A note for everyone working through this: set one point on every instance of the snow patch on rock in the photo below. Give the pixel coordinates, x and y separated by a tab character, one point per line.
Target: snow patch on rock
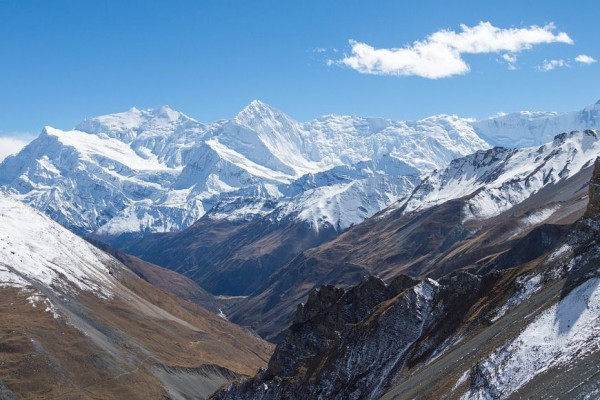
495	180
528	285
566	331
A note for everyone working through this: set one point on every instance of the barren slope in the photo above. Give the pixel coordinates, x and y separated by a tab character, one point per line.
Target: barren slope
77	323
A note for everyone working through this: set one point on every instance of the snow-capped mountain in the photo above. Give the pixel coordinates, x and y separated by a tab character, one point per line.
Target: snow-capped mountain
339	197
495	180
145	171
527	128
479	205
160	170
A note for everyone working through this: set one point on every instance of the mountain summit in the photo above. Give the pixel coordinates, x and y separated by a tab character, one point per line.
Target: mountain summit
144	171
127	126
257	111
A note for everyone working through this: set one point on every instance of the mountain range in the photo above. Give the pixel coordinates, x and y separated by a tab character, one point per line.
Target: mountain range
386	259
534	128
146	171
528	329
159	170
124	176
438	230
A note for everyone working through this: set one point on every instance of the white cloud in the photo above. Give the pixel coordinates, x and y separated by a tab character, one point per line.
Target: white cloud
549	65
440	54
585	59
12	145
511	60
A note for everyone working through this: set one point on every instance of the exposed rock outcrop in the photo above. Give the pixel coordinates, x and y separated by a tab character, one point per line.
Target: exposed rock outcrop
593	208
350	344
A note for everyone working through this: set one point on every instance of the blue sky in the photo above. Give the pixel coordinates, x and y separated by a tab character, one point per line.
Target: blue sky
62	61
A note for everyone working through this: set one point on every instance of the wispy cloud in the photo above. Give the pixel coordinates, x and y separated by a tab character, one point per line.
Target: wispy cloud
549	65
511	61
13	144
585	59
440	54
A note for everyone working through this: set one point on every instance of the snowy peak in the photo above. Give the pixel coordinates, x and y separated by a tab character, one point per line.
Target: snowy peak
267	121
257	111
159	170
533	128
166	112
127	126
495	180
256	107
272	132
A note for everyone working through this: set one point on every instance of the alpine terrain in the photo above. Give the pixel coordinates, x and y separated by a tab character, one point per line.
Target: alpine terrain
256	190
77	323
381	230
468	214
519	319
386	259
159	170
260	187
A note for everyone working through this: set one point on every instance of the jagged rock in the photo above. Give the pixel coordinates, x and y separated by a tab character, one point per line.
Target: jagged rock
353	344
367	350
465	283
318	324
318	300
593	208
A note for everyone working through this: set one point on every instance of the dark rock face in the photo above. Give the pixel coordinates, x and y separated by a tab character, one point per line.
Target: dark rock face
318	324
537	242
350	344
341	346
593	209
